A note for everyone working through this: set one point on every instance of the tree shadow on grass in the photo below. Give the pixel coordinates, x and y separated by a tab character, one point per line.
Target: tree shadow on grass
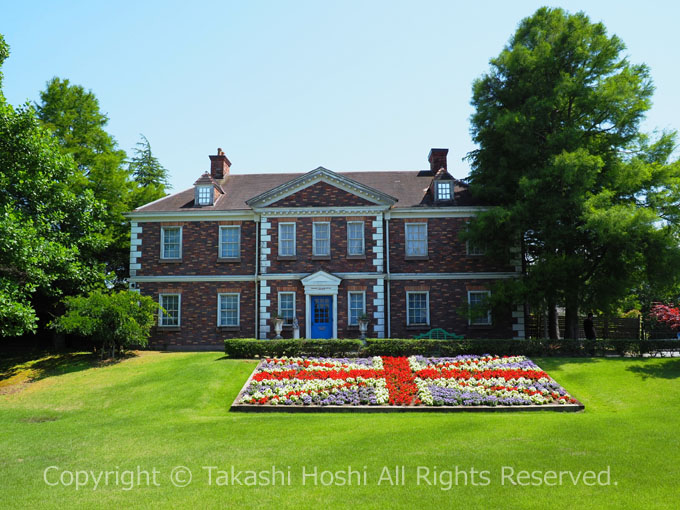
31	367
668	369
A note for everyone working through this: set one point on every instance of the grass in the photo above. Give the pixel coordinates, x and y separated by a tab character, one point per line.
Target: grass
160	410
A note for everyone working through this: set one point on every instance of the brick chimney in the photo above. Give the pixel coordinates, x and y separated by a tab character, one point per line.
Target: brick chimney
437	159
219	165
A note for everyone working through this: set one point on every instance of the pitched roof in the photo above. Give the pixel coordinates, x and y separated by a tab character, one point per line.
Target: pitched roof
408	187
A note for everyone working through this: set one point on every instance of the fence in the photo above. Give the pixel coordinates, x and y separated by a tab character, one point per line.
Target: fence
609	328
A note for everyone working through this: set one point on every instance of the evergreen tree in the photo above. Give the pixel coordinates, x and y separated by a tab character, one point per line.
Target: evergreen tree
592	202
150	177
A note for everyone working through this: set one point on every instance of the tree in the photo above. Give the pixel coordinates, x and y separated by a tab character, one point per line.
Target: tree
591	202
74	116
150	177
47	232
113	321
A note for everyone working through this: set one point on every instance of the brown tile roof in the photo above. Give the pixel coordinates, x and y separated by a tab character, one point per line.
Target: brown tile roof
409	188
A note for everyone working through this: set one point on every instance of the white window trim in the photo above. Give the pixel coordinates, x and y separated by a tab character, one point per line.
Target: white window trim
179	309
294	239
470	322
278	307
314	224
238	309
211	194
427	307
349	303
437	193
163	243
427	244
219	244
363	239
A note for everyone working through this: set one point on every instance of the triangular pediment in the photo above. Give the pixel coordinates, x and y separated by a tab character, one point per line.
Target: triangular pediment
321	278
321	188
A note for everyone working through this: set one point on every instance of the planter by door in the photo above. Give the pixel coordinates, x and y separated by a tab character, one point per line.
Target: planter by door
322	316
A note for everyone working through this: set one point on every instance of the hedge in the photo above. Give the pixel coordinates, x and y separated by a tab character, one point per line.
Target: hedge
251	348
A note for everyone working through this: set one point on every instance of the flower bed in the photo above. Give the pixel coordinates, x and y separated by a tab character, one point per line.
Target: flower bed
416	382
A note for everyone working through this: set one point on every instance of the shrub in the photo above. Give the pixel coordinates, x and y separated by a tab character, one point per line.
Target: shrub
114	321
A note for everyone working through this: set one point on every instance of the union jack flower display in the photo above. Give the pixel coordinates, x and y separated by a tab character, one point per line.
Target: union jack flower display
417	381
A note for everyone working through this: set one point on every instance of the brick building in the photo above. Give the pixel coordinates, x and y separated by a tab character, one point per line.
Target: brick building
325	248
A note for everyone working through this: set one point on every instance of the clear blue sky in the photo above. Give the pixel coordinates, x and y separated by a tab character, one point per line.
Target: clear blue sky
286	86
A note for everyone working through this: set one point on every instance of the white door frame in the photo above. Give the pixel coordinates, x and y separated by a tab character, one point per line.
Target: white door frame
320	283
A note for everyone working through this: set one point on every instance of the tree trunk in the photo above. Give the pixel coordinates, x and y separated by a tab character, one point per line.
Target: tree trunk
553	322
571	329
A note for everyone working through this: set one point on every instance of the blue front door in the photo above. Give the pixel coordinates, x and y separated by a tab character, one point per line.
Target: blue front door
322	317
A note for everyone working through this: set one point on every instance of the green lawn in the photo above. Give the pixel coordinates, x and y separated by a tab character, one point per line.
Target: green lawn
161	410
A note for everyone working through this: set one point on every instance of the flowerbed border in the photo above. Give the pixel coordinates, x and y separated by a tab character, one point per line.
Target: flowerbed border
258	408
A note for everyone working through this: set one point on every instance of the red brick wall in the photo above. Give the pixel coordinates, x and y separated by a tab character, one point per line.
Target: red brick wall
447	301
200	241
199	313
446	251
339	260
321	194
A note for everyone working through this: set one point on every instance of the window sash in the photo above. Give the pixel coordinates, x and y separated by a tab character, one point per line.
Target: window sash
444	190
287	239
171	303
287	306
171	242
204	195
229	309
321	239
475	298
356	302
473	249
230	242
417	308
355	237
416	239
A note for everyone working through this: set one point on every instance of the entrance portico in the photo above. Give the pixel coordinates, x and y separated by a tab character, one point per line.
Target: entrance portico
321	313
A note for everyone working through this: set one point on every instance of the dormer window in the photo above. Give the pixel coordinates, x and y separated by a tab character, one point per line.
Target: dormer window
205	195
444	190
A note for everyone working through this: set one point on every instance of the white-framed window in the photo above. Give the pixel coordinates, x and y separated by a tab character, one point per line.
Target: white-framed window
171	305
444	190
228	309
287	239
355	238
416	239
287	306
230	242
473	249
205	195
171	242
321	239
356	302
477	299
417	308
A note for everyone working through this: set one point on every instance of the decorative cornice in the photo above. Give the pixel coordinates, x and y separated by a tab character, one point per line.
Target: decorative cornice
321	211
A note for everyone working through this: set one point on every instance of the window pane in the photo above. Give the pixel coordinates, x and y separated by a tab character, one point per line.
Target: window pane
171	242
476	300
287	306
417	308
355	238
230	246
444	190
322	242
416	239
287	239
204	195
356	307
229	309
170	314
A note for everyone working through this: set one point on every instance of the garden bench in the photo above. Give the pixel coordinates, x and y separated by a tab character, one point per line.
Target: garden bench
438	334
